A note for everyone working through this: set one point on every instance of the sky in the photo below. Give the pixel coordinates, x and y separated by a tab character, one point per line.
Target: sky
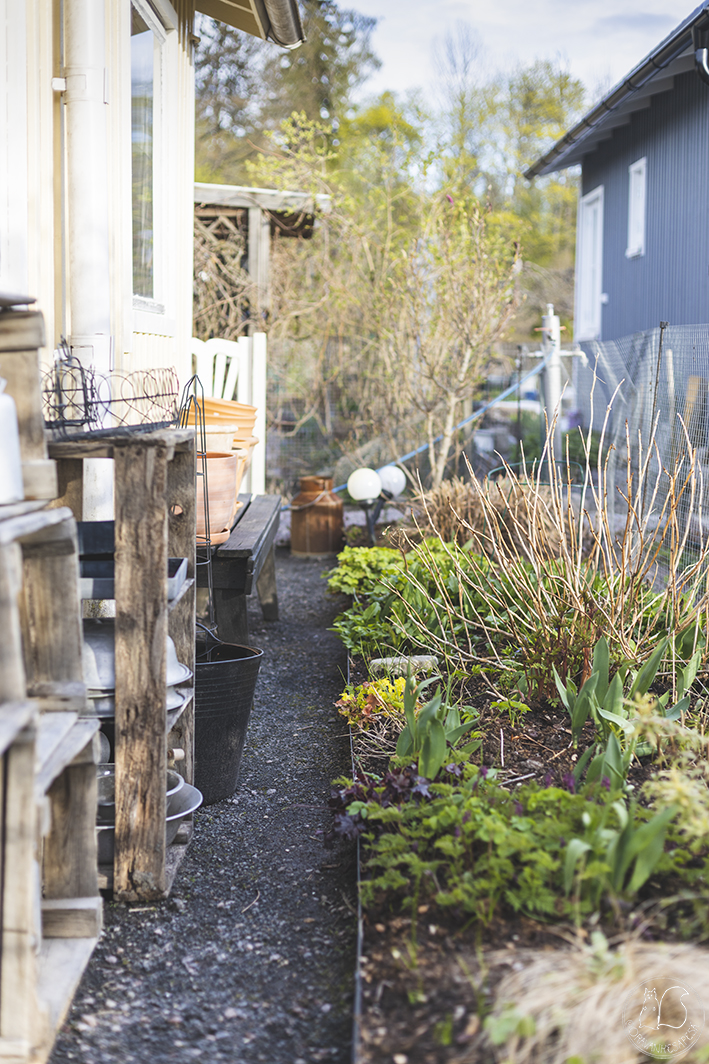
601	40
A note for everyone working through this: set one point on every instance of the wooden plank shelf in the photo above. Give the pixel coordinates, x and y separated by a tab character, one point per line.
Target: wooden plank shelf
53	727
49	923
47	782
14	718
68	751
154	519
95	446
61	965
19	509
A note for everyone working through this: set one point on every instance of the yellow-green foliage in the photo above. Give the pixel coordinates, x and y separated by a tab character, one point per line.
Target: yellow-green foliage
358	705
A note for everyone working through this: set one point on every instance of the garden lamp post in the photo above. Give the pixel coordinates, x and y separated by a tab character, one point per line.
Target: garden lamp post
365	486
373	489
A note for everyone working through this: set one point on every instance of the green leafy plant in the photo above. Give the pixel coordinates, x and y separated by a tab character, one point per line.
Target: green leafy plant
622	857
606	701
360	570
464	843
360	704
514	709
430	730
608	762
405	609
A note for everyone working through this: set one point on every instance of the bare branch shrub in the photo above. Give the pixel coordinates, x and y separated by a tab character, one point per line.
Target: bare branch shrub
555	573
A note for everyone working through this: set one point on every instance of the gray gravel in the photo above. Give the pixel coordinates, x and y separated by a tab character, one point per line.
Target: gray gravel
252	957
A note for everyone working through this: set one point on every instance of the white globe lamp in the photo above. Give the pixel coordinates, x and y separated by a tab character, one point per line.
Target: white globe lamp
393	480
364	485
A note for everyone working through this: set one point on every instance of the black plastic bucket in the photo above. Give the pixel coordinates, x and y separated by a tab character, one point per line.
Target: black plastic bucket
225	681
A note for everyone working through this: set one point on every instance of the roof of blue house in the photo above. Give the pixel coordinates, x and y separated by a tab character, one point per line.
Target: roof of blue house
679	52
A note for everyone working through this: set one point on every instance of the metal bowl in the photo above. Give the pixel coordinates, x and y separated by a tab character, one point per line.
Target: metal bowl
102	704
184	802
99	657
106	785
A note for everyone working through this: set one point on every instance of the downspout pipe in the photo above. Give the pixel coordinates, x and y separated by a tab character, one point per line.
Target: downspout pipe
87	184
700	40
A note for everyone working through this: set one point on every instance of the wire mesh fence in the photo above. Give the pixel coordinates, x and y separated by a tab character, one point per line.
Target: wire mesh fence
647	397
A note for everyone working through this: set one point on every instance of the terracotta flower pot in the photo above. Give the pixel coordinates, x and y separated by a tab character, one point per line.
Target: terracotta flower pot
221	490
220	438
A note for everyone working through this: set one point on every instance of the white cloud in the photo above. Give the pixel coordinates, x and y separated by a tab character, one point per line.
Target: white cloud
601	39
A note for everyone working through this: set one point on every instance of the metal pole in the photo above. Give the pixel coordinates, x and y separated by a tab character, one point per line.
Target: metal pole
551	344
519	402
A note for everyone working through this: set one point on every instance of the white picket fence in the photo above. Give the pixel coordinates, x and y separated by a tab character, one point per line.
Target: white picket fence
236	369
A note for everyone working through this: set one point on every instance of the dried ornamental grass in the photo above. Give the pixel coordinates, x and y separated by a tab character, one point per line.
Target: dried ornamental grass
461	510
559	565
572	1005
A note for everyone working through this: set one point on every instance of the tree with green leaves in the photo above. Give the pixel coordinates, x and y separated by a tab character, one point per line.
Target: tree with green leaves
415	276
246	87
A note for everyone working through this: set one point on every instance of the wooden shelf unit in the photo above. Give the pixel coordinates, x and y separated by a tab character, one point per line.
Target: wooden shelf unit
50	906
155	518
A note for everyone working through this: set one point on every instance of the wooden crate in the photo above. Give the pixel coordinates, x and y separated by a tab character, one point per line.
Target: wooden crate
21	336
154	500
50	905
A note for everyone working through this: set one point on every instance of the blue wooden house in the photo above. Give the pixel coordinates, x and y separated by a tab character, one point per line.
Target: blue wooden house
643	220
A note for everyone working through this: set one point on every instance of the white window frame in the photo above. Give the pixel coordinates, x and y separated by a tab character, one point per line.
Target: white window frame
157	315
637	208
589	266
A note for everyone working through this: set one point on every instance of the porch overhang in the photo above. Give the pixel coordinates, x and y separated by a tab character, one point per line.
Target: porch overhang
274	20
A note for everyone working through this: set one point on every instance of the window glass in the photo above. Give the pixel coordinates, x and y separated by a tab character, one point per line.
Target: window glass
142	114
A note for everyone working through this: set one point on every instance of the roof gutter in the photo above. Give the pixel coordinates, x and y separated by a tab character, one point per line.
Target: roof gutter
286	27
636	79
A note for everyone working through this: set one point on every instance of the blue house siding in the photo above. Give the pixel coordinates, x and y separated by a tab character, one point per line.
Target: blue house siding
670	281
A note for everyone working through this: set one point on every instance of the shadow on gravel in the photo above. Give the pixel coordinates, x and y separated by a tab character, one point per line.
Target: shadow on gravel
252	958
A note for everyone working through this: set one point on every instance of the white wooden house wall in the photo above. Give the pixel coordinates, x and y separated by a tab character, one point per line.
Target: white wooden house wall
33	211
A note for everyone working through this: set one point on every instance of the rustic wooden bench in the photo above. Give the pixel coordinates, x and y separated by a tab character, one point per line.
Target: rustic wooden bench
245	559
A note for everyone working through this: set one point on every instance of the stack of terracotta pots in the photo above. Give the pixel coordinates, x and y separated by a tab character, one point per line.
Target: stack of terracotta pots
230	441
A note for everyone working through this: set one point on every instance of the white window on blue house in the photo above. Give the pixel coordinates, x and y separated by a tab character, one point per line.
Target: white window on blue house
637	175
589	267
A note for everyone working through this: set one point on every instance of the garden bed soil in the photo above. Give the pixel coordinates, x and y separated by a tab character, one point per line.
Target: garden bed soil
538	748
423	992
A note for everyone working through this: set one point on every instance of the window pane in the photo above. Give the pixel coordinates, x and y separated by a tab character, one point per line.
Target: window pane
142	93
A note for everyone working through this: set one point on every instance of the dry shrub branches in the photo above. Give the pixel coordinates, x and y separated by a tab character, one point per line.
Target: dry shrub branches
551	566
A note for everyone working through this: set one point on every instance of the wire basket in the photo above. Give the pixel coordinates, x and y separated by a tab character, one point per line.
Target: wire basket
78	400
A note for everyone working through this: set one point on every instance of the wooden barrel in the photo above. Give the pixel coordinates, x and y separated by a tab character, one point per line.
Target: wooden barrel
317	522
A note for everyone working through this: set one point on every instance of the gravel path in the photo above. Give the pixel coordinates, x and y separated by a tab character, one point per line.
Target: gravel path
252	957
